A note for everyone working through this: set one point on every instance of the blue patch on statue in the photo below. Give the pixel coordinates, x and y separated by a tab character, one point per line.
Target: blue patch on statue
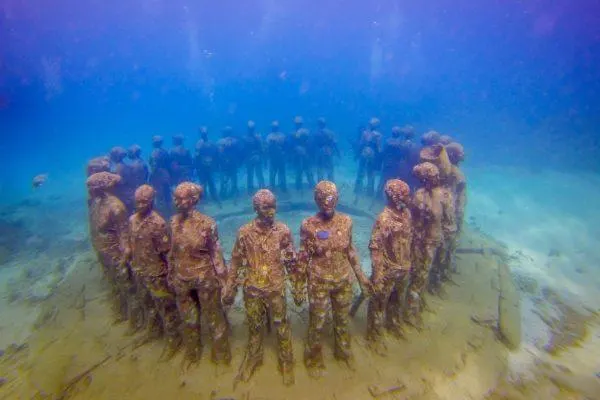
323	235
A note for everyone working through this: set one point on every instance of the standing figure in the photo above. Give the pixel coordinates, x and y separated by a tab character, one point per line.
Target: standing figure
125	189
97	164
369	150
300	143
181	162
329	259
148	245
411	149
253	152
262	255
138	169
108	232
326	148
197	275
427	216
276	146
205	162
391	262
430	138
229	159
457	185
392	158
160	178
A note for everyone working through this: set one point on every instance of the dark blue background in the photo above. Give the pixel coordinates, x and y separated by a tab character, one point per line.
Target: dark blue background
517	81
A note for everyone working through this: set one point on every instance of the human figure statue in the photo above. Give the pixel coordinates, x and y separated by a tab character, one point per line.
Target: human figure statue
229	160
300	144
253	152
411	149
124	190
276	147
392	158
430	138
330	261
108	233
369	150
457	185
326	148
391	262
160	177
148	245
197	275
262	256
97	164
138	169
181	161
427	213
205	162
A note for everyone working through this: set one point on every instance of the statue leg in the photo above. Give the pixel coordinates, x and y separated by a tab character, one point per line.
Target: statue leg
210	304
255	317
318	297
341	301
277	305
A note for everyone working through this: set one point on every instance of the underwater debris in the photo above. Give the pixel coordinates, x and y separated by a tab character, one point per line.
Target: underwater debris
569	329
509	309
376	391
39	180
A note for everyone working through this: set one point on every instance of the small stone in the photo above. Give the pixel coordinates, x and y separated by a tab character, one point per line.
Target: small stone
3	381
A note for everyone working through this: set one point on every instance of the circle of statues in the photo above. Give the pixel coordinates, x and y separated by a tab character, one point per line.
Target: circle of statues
169	276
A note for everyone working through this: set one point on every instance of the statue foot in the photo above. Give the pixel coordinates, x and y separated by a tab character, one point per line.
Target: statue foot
316	372
288	376
170	349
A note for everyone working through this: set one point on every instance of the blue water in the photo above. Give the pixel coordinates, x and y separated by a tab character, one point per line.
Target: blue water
517	82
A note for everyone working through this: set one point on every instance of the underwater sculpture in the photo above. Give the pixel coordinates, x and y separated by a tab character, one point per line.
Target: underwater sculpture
329	260
198	270
393	156
430	138
253	153
368	154
276	146
391	262
137	167
229	160
205	163
455	183
124	190
300	145
427	213
262	256
181	161
147	247
108	232
160	177
326	148
97	164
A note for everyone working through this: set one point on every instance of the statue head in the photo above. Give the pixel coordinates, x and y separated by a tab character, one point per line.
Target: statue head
186	196
397	193
265	205
326	198
144	199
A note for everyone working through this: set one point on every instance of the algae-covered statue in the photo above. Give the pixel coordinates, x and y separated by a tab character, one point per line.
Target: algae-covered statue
457	182
148	245
97	164
329	259
326	148
160	177
276	146
181	161
428	209
253	152
197	274
391	262
124	190
138	169
368	154
300	146
262	256
108	232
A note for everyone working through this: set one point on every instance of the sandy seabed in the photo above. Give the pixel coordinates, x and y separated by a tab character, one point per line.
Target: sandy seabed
65	344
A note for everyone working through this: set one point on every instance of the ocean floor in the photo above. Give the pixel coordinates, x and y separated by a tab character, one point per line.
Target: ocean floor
55	322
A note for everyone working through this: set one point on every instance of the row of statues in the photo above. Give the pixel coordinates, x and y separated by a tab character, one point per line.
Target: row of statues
308	153
172	275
